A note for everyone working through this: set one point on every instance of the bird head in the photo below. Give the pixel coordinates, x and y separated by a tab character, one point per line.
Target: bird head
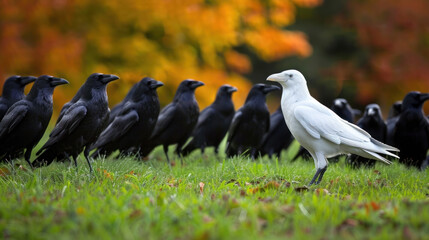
287	78
47	81
99	80
228	89
373	111
17	83
395	110
260	89
189	85
414	99
145	86
340	103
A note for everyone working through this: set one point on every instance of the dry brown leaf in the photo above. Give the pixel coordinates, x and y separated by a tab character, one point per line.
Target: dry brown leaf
136	213
322	191
201	184
4	171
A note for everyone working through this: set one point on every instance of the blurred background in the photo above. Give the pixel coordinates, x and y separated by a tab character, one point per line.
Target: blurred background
363	50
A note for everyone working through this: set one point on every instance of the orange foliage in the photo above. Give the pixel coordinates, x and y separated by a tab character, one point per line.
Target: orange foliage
394	37
169	40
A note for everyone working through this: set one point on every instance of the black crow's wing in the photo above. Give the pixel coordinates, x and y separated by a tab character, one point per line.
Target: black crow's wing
13	117
116	129
63	111
164	120
236	121
70	121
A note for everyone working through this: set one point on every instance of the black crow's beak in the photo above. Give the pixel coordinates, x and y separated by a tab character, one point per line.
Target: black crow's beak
156	84
27	80
58	81
270	88
109	77
196	84
232	89
424	97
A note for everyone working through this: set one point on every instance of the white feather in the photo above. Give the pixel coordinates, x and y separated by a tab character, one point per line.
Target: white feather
318	129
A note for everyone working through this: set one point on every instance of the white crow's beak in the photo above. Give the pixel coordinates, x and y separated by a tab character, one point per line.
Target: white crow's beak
276	77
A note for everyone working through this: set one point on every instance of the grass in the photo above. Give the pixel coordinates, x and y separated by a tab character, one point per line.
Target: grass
212	198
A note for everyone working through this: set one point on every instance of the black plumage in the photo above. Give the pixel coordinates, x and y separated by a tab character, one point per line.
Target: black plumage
25	122
13	91
134	123
176	121
411	131
278	136
250	123
372	122
213	122
117	108
392	118
342	108
81	124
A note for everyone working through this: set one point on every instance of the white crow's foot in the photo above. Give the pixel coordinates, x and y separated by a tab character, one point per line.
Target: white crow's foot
318	176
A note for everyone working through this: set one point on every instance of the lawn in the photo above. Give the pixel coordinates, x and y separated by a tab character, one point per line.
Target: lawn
212	198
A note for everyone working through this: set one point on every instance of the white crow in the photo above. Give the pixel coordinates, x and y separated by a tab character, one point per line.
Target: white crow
319	130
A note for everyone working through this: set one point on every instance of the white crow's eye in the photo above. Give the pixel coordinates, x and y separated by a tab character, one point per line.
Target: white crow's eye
290	75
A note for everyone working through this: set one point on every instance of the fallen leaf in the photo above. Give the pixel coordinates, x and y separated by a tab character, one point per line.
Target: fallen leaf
136	213
4	171
207	218
322	191
243	193
377	172
287	208
201	184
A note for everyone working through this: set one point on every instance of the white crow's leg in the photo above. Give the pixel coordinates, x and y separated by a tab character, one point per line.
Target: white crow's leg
321	165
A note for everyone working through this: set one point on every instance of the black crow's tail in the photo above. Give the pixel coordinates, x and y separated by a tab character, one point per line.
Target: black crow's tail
44	159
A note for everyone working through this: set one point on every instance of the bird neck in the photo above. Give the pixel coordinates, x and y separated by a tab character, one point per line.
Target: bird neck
295	93
41	96
13	94
185	96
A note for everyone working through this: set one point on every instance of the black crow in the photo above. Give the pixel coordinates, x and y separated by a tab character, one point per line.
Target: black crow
278	136
134	124
81	124
176	121
13	91
25	122
342	108
393	117
213	122
372	122
250	123
411	131
117	108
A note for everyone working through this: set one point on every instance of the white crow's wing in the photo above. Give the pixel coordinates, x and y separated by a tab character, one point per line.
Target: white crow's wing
320	122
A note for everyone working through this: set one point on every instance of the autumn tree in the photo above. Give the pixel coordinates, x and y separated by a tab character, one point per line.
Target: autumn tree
393	37
169	40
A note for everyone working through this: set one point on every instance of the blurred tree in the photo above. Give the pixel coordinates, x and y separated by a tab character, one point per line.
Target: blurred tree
169	40
393	37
